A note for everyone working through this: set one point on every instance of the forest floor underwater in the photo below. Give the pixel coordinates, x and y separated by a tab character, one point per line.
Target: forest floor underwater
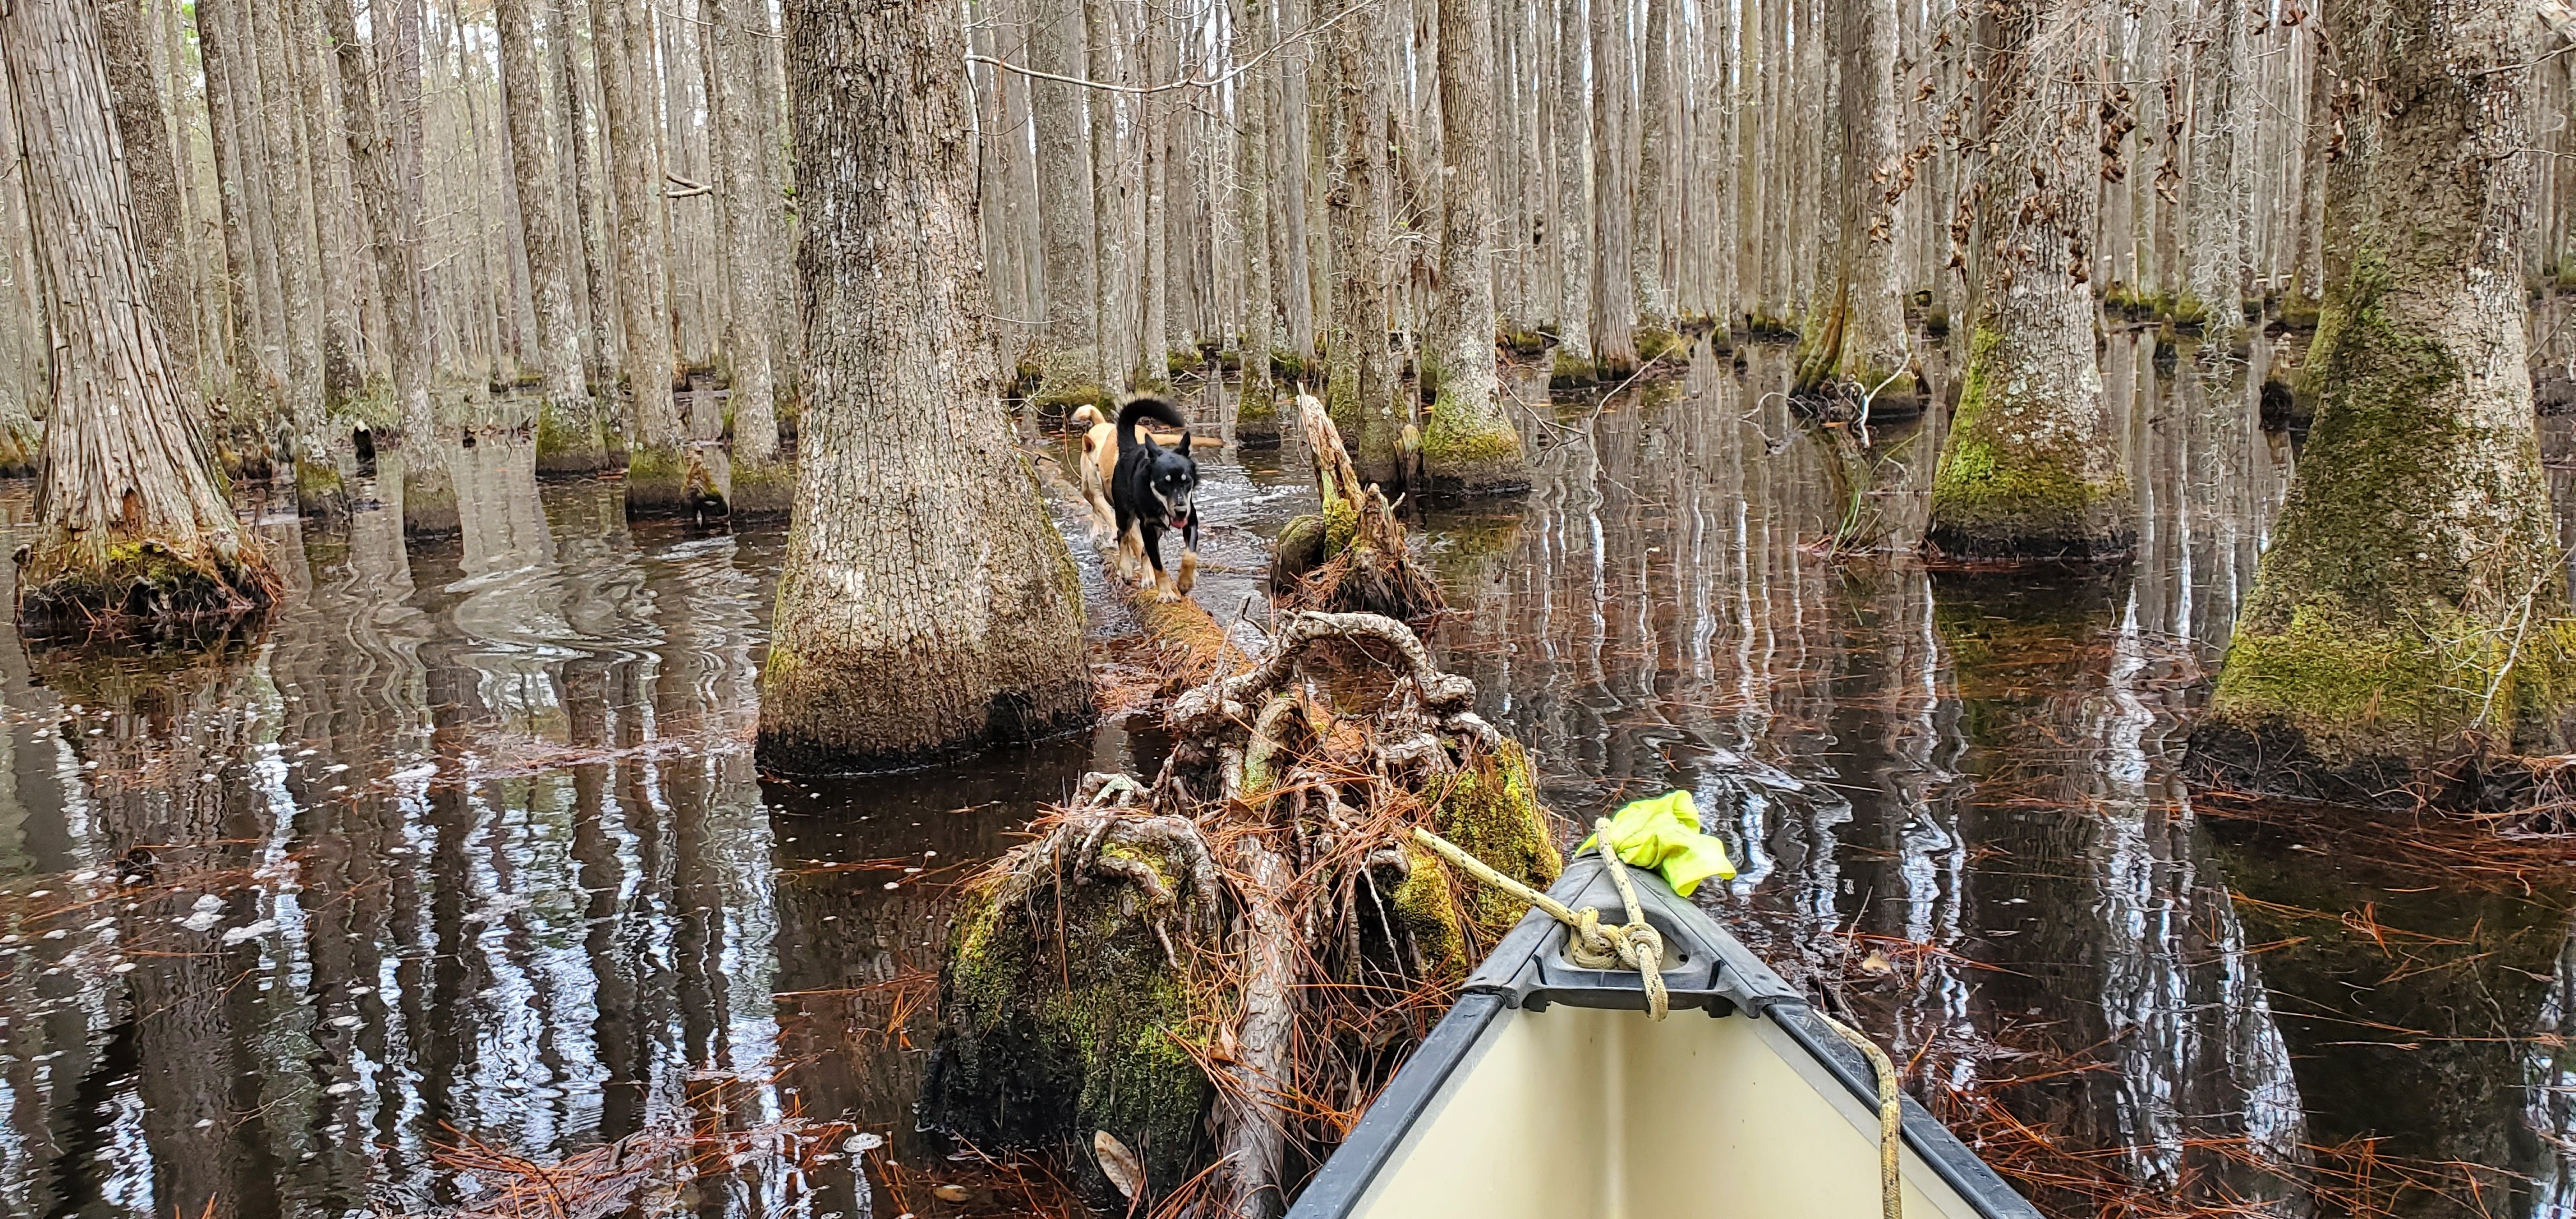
454	889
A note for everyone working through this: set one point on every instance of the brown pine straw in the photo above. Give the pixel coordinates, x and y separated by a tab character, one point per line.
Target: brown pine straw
608	1180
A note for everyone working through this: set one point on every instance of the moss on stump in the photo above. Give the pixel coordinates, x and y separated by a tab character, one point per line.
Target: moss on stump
1256	421
86	583
1065	1019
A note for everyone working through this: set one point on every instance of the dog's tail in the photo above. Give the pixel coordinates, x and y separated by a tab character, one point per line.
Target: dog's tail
1138	410
1086	415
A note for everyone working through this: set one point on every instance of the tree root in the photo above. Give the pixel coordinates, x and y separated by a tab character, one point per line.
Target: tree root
1266	876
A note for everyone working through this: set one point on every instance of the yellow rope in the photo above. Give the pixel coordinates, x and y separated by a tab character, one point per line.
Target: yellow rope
1594	946
1891	1199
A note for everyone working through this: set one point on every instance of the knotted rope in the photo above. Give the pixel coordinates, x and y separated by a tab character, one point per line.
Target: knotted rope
1639	946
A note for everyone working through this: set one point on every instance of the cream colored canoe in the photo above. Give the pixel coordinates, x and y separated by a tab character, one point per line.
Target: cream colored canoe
1547	1091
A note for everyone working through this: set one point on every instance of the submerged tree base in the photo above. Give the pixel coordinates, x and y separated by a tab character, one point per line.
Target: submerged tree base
81	583
570	441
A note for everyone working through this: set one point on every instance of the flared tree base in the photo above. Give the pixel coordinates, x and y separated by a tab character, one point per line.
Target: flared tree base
81	583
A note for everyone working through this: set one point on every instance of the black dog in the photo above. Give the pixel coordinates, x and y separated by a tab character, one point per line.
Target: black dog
1154	490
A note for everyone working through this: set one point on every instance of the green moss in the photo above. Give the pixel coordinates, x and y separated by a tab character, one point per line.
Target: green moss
1566	371
657	480
2007	488
83	582
568	442
2412	592
1472	449
1657	343
1063	1017
1341	524
1492	811
763	488
1523	342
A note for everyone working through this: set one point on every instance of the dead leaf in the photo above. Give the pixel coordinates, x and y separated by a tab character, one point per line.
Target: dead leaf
1118	1164
948	1193
1876	963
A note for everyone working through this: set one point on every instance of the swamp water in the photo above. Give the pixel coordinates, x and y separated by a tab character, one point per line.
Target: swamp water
462	862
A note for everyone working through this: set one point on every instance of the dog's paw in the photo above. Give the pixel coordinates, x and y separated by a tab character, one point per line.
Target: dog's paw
1189	572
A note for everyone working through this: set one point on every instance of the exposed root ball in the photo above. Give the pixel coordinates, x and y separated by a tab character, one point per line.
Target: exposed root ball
1212	966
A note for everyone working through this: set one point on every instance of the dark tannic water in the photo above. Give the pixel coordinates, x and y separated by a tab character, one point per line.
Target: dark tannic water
464	857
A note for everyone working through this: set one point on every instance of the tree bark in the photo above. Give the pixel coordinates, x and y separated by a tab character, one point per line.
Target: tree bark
394	221
749	214
601	343
2221	175
568	435
1361	390
1109	250
2412	608
926	602
317	481
142	125
1292	279
132	520
1573	170
1056	37
1469	445
1856	331
1646	229
240	265
1614	291
657	466
1256	416
2028	469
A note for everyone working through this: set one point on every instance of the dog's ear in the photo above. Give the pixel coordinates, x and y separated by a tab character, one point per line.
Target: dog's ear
1185	442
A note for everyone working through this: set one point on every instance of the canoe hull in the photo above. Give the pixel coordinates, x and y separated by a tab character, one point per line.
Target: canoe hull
1537	1097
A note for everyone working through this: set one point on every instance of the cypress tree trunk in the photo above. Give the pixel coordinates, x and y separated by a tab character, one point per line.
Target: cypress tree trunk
131	520
926	602
1108	303
1256	416
393	219
2412	608
1573	169
600	342
2028	470
749	216
2221	178
656	465
1646	229
1361	389
428	487
318	492
1858	332
240	265
140	123
568	435
1469	445
1056	38
1292	278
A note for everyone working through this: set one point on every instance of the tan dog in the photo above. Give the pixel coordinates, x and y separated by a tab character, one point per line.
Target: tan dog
1100	464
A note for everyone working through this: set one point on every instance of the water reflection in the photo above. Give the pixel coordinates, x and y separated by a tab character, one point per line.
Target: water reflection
466	850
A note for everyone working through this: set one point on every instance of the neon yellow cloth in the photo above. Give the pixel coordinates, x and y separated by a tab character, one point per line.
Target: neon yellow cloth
1663	834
